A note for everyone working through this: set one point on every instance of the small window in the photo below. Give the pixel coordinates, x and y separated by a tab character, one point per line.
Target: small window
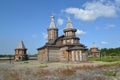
68	41
64	42
72	41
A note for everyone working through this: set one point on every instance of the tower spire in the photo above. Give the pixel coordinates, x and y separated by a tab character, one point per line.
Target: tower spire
21	45
69	24
52	30
20	52
52	23
94	45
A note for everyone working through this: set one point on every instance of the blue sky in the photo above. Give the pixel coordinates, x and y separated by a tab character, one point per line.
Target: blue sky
95	20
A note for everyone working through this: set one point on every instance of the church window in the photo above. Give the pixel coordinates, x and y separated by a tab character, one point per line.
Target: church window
69	34
64	42
68	41
72	41
66	33
20	52
73	34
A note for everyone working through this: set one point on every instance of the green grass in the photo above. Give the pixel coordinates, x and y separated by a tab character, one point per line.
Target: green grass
25	62
110	73
43	66
105	59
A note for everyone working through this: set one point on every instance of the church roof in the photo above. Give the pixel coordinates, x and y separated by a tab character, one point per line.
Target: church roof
52	23
69	24
77	48
21	45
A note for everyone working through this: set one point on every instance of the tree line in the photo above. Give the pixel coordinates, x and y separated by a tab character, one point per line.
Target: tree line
8	55
110	51
5	55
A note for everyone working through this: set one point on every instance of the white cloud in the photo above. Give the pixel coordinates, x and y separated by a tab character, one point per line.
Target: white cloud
60	21
45	36
110	26
117	2
97	28
93	10
34	35
104	42
80	32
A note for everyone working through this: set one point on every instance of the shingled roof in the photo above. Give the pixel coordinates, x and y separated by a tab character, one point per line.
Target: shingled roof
77	48
52	23
21	45
69	24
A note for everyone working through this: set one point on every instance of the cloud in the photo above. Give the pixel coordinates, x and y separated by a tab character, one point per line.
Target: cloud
45	36
60	21
104	42
93	10
34	35
117	2
97	28
110	26
107	27
80	32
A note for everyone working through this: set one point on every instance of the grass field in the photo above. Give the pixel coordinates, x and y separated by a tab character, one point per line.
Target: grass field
35	70
109	59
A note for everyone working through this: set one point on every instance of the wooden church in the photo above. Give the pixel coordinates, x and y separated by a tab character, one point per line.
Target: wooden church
66	48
